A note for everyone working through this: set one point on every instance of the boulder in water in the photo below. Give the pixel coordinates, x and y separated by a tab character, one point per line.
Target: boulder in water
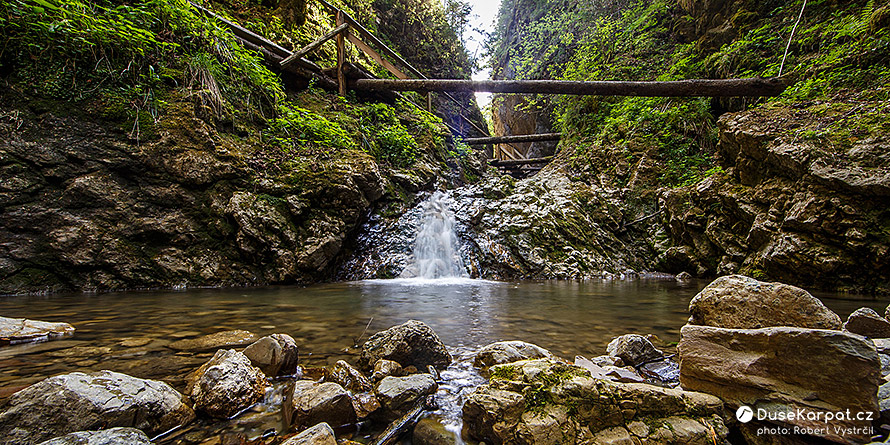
275	355
226	384
633	349
385	368
739	302
210	342
546	401
429	431
348	377
320	434
865	321
398	395
80	402
111	436
21	330
321	402
785	369
508	352
412	343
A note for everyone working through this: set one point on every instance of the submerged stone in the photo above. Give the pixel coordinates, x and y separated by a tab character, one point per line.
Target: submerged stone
224	339
22	330
111	436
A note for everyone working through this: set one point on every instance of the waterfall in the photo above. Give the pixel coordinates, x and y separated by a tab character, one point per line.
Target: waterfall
436	253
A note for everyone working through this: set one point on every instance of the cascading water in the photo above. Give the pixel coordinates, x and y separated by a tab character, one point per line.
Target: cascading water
436	251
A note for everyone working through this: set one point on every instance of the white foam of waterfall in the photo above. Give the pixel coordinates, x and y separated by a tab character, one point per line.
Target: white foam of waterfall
436	250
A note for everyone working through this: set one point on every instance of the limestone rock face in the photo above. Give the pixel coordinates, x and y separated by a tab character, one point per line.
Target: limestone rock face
784	369
784	207
397	395
321	434
218	340
226	384
867	322
633	349
412	343
20	330
186	204
548	402
508	352
739	302
275	355
80	402
321	402
111	436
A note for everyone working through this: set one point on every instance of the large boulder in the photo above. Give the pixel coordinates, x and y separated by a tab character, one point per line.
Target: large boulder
785	369
81	402
508	352
865	321
633	350
320	434
276	354
398	395
739	302
321	402
21	330
224	339
549	402
111	436
412	343
226	384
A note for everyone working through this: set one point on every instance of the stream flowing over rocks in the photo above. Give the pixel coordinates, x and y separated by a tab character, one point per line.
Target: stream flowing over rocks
769	346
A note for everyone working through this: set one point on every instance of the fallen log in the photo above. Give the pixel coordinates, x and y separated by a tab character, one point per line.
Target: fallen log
520	162
404	424
681	88
518	138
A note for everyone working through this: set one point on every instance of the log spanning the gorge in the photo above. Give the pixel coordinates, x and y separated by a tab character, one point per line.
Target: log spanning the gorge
680	88
514	139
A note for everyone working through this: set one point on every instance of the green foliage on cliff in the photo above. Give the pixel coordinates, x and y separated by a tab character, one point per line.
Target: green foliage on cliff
835	47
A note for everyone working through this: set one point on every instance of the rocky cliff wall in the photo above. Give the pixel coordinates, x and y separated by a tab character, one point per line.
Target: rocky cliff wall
84	206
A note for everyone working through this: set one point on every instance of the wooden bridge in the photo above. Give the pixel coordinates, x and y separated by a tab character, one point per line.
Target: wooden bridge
346	76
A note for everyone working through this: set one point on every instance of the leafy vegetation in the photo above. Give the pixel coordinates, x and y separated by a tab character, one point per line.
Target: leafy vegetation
835	47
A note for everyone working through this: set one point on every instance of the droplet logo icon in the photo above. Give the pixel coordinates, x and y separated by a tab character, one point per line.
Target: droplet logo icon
744	414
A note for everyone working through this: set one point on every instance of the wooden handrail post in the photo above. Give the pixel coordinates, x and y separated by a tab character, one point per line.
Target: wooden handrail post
341	56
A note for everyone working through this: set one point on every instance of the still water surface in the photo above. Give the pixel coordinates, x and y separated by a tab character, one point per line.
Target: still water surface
567	317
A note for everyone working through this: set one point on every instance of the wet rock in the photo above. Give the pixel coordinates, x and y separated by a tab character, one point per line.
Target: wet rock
683	277
429	431
665	370
348	377
411	343
884	401
865	321
321	402
227	384
609	372
397	395
80	402
529	402
210	342
320	434
111	436
385	368
508	352
784	368
365	404
21	330
739	302
275	355
633	349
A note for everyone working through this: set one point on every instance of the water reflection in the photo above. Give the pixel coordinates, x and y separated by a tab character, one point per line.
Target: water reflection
128	332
